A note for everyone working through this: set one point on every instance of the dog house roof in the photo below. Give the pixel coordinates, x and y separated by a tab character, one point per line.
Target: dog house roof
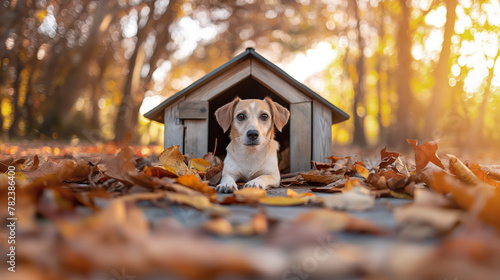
156	114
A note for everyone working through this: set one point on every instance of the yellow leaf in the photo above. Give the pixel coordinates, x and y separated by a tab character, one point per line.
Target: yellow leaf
250	193
282	201
40	15
199	164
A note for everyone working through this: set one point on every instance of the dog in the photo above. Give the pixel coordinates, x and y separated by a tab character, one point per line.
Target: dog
252	152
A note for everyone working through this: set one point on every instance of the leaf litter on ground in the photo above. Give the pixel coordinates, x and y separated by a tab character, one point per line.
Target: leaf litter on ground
96	204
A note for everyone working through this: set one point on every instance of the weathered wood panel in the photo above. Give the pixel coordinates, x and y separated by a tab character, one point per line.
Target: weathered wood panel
221	83
196	138
277	84
321	132
300	136
195	110
174	128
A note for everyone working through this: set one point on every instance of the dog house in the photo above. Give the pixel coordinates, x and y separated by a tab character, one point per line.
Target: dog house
190	122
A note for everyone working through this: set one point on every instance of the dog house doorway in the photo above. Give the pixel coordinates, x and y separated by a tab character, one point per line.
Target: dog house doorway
246	89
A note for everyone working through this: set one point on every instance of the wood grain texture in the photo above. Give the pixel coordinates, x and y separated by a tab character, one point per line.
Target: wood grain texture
277	84
174	128
221	83
194	110
196	138
321	132
300	136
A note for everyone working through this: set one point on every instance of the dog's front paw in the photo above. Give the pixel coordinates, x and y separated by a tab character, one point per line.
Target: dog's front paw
256	183
226	187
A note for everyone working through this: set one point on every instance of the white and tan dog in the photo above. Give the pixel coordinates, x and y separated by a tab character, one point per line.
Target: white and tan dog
252	152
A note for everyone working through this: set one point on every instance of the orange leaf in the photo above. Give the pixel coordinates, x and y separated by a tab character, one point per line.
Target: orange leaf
425	153
483	175
292	193
468	197
192	182
362	170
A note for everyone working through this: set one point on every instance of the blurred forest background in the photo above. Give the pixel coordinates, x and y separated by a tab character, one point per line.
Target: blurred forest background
84	69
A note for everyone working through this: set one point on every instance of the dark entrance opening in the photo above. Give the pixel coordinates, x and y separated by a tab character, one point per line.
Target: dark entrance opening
249	88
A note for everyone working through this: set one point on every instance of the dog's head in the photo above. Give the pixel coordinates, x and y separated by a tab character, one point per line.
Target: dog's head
252	120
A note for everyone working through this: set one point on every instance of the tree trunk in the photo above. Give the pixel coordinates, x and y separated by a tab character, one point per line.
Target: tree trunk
441	89
14	127
359	138
404	127
378	68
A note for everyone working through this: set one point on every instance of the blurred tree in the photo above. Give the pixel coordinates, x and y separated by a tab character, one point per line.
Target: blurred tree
441	89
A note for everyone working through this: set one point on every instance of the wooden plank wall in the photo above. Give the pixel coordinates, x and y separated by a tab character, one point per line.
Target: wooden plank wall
321	132
196	138
300	136
174	128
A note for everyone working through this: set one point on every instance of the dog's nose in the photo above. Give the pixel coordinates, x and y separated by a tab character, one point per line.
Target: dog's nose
252	134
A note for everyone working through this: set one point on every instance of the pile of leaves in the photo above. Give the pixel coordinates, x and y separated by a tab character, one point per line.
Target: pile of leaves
83	217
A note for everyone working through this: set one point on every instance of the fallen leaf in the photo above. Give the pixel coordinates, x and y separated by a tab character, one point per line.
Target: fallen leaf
322	179
173	161
483	175
362	170
416	215
219	226
358	199
350	184
332	220
401	195
199	202
199	164
250	194
387	158
292	193
193	182
486	202
158	172
425	153
282	201
465	174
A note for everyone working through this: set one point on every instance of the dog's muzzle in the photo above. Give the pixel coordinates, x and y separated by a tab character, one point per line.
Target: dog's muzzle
252	138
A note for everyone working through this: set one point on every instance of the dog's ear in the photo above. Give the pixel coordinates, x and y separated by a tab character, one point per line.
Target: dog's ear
280	114
224	114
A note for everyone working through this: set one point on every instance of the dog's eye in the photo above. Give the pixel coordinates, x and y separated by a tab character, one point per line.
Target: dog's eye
241	117
264	117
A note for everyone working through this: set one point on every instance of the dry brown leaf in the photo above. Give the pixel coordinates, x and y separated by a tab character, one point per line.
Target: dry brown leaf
322	179
425	153
483	175
173	161
465	174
